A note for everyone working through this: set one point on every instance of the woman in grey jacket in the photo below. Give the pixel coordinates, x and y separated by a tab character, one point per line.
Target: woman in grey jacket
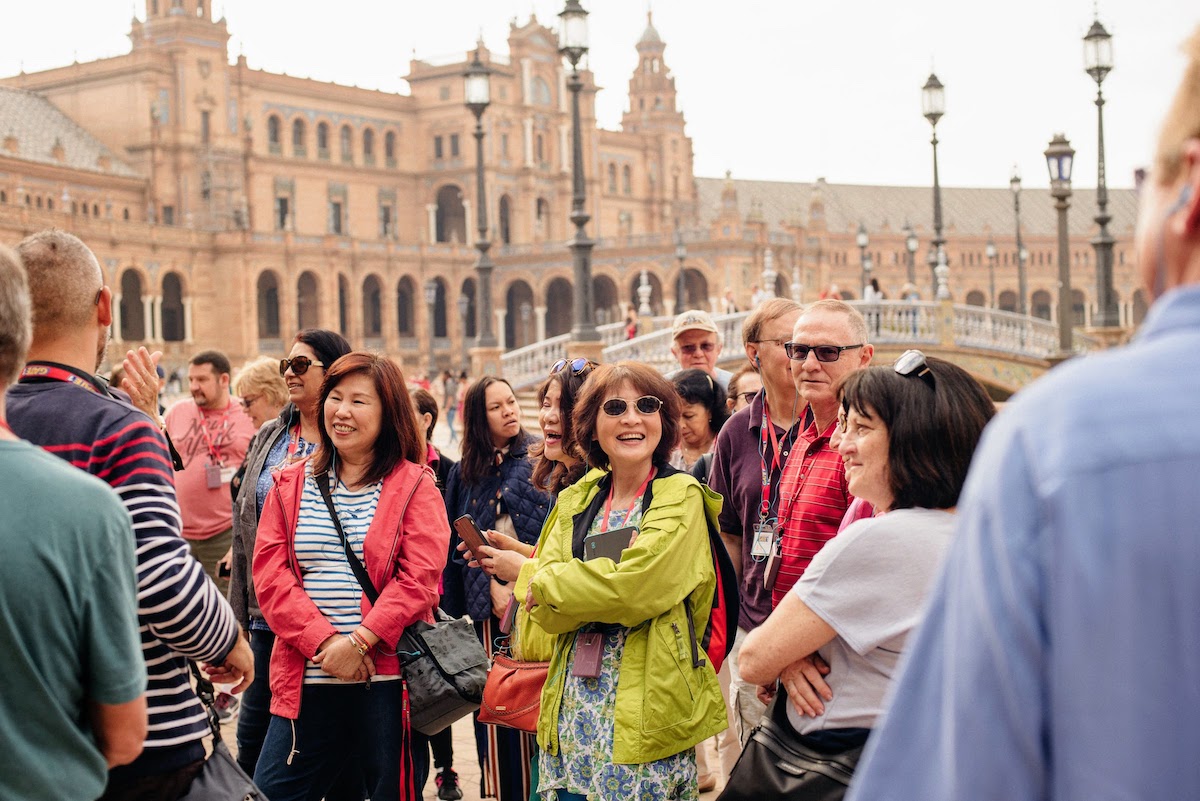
289	437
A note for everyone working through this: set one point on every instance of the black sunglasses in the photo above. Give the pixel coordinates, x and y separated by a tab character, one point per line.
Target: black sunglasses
912	363
580	366
824	353
299	365
647	404
747	397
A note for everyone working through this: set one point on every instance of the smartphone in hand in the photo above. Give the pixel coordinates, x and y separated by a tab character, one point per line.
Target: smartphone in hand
468	532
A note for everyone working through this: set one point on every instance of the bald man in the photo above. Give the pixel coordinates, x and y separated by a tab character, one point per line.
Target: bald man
60	404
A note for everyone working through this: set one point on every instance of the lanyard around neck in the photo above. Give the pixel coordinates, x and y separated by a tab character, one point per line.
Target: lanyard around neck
57	374
213	452
628	512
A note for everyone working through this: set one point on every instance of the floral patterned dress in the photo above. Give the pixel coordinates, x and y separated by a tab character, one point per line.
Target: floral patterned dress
584	763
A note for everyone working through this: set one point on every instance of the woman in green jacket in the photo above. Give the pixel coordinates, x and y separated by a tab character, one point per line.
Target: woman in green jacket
629	693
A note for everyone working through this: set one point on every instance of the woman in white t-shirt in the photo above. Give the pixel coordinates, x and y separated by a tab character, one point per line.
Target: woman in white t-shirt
907	436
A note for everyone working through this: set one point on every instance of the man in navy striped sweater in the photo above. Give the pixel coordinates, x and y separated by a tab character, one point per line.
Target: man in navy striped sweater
61	405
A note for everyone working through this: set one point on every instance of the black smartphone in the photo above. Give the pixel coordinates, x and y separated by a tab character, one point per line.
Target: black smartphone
224	570
468	532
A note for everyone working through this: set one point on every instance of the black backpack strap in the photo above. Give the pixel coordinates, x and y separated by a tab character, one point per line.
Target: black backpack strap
204	691
356	564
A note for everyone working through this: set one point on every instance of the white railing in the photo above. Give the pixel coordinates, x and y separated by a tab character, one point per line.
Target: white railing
889	322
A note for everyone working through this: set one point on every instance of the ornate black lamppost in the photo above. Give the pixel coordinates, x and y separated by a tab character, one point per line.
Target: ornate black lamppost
478	95
933	106
1014	183
573	43
1059	159
681	304
1098	61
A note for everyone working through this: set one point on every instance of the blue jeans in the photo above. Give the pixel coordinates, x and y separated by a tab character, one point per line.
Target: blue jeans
338	724
255	712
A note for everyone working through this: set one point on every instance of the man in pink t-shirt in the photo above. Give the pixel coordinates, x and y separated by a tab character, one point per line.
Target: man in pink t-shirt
211	433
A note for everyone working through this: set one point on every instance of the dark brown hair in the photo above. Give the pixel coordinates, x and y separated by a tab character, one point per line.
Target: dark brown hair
426	404
477	447
549	475
932	431
604	381
399	434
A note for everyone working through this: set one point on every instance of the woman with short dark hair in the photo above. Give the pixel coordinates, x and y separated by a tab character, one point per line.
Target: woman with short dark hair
907	437
703	411
336	683
629	694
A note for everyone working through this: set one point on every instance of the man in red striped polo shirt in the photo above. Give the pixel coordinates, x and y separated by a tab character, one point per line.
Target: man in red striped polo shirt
828	342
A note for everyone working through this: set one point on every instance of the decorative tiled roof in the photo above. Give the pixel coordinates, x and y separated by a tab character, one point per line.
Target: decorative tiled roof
46	135
966	211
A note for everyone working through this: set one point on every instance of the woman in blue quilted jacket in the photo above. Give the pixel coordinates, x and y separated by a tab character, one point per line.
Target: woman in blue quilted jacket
493	484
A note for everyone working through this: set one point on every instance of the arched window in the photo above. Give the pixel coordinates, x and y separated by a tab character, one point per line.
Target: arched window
343	306
298	132
323	140
268	305
172	324
505	220
369	146
405	291
541	92
371	307
539	149
451	216
612	178
976	298
1040	304
627	180
307	301
273	133
347	146
133	321
389	148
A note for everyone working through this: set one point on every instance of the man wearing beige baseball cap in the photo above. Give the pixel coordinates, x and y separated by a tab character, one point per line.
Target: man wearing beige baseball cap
696	342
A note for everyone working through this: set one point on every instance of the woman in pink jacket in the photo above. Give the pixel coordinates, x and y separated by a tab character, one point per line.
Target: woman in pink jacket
336	685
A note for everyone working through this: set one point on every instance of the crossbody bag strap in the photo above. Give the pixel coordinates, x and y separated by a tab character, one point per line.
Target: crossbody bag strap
356	564
204	691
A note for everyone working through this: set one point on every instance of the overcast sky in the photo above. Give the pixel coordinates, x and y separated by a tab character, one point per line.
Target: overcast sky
772	89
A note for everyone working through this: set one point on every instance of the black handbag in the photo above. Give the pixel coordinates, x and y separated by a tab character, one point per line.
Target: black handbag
776	763
221	778
444	663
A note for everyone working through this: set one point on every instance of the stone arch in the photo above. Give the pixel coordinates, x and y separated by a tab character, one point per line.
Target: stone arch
441	328
505	220
346	143
467	290
372	306
695	289
268	305
389	147
368	145
173	320
405	291
133	320
308	301
274	133
976	298
519	324
323	139
1008	301
560	307
343	305
605	299
1040	304
656	294
541	220
1078	307
451	217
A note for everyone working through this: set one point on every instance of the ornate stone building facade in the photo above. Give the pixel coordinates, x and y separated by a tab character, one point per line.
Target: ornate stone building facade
231	207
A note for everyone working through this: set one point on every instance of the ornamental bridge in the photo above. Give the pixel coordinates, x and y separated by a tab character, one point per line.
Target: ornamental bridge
1003	350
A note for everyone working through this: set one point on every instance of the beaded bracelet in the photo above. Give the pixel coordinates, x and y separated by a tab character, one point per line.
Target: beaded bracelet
359	646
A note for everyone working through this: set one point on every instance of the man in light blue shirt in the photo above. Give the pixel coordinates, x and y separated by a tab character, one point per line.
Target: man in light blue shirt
1060	656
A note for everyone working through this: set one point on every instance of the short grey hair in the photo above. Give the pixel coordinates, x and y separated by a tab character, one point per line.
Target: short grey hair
858	324
15	327
64	281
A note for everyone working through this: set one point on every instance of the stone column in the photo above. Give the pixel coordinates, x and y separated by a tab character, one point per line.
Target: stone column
431	212
469	216
528	141
187	320
526	82
501	331
148	319
539	313
116	317
157	307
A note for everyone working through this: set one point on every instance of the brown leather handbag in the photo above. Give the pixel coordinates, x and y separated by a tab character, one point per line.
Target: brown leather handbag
512	696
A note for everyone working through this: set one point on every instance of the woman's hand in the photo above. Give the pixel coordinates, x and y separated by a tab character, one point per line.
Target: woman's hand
507	543
804	681
504	565
501	594
338	657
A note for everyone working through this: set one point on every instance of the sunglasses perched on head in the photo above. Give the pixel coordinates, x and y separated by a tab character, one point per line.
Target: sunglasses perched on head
580	366
912	363
824	353
299	365
647	404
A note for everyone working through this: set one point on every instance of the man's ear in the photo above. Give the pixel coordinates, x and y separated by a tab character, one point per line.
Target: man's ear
1191	202
868	353
104	314
223	380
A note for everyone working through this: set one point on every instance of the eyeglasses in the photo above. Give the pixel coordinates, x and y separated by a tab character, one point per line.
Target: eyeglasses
249	400
824	353
746	397
912	363
647	404
580	366
707	347
299	365
776	340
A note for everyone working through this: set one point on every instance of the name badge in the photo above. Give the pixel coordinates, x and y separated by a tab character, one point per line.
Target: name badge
764	538
212	475
227	474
